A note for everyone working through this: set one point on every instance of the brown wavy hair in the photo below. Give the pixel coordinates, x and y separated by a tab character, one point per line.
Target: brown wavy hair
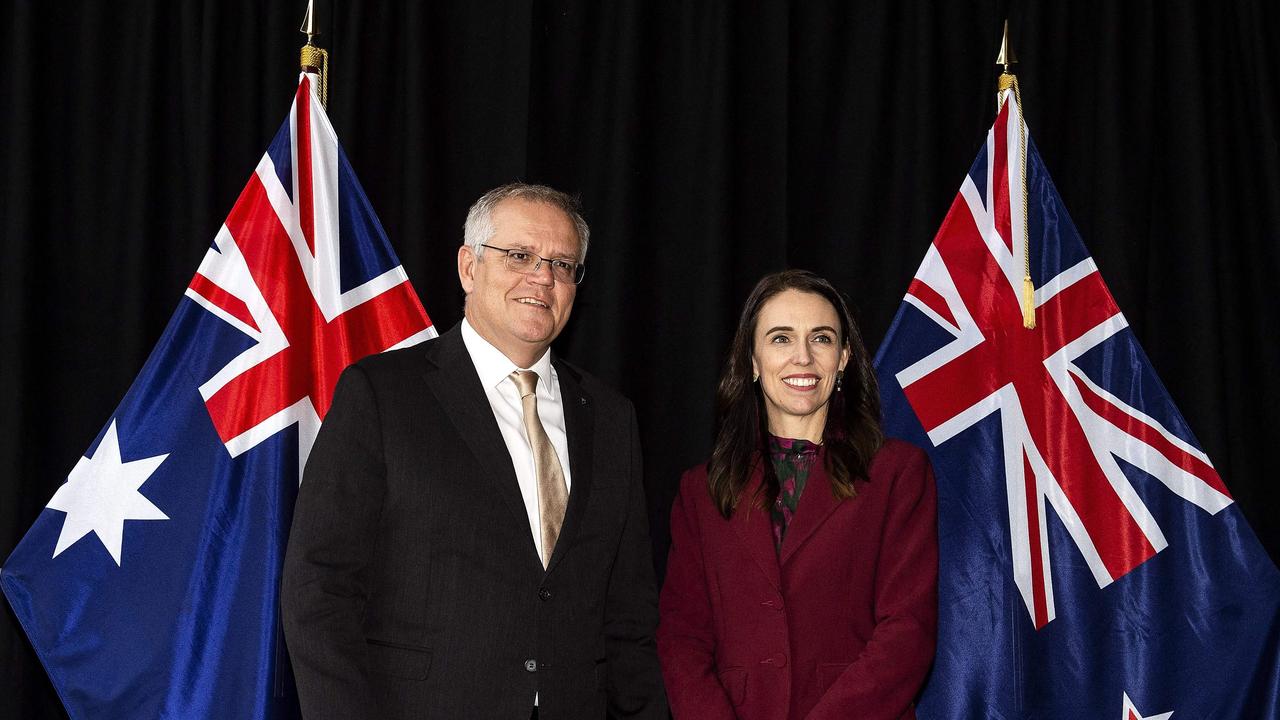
852	434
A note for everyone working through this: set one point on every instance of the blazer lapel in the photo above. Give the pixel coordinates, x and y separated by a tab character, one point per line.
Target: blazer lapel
451	376
755	528
579	425
816	505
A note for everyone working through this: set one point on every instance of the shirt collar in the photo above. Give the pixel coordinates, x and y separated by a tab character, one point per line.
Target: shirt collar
781	446
493	367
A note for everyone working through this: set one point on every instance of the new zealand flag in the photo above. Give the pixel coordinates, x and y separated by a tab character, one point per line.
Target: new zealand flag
149	585
1092	561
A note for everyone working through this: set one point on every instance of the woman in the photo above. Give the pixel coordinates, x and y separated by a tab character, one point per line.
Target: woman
802	580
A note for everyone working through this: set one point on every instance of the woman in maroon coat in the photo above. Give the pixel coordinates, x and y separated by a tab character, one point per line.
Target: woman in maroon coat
802	580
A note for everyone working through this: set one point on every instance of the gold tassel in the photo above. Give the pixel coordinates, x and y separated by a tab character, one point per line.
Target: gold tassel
1028	303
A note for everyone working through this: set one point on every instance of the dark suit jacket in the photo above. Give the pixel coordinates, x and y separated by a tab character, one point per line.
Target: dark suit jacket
841	625
412	586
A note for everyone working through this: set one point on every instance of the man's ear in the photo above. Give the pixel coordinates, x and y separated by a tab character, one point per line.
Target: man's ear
467	268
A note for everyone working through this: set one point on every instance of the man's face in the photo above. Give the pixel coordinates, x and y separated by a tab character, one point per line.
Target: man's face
520	314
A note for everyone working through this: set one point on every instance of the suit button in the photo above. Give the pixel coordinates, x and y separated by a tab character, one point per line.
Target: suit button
531	666
544	594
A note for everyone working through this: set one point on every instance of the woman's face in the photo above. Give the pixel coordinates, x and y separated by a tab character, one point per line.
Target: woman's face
797	351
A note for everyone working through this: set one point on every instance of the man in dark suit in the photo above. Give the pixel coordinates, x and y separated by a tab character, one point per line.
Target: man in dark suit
469	539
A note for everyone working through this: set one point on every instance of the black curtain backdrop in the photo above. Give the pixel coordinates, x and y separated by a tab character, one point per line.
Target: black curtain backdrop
711	142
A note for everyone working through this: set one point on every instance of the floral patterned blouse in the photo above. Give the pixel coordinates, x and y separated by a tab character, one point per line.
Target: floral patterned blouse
792	461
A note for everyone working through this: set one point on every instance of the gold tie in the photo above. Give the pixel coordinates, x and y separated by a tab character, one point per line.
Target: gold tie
553	496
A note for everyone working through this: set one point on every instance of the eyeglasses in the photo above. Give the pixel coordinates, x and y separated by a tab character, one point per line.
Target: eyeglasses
525	263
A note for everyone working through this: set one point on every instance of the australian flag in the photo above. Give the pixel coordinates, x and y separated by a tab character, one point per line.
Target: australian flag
1092	562
148	587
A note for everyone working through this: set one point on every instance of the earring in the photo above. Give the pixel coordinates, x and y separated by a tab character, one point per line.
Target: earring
755	377
839	380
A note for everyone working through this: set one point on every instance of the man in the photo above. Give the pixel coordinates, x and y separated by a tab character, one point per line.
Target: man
470	539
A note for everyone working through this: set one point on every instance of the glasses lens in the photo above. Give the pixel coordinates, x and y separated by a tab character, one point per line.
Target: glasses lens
520	261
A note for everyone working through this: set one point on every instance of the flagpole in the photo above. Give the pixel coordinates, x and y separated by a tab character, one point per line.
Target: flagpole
315	59
1007	83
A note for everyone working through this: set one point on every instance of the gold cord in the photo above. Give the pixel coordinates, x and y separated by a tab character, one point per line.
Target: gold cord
1007	82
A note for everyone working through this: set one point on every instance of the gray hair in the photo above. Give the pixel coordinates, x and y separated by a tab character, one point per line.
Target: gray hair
479	227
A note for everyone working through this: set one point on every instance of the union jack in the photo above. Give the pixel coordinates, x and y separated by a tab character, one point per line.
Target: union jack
276	274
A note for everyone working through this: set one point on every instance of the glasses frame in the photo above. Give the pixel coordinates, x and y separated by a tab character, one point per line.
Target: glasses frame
579	269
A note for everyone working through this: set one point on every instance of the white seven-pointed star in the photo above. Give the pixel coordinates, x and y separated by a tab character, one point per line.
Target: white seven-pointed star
101	493
1131	712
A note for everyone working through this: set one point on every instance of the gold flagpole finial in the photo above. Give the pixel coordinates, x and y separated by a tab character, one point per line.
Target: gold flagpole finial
309	22
314	59
1006	56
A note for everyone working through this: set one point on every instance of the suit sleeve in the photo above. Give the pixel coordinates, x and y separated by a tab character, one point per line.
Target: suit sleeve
892	668
631	612
686	635
334	530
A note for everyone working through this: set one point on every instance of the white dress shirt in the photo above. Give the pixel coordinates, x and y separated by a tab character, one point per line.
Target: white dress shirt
495	370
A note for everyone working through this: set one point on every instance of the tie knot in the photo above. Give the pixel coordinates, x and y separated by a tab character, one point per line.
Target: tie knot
526	381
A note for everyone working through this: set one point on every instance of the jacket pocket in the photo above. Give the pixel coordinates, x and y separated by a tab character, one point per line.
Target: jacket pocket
734	682
828	673
398	659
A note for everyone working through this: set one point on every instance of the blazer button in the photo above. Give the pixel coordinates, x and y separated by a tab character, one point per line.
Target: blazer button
544	594
531	666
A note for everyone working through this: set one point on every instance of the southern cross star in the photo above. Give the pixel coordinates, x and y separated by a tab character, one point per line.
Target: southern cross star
101	493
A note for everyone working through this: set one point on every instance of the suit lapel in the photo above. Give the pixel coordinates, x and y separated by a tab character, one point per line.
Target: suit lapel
755	529
451	376
579	424
816	505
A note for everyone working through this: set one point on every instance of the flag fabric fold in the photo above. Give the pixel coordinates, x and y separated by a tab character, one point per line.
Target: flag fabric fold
1092	562
148	586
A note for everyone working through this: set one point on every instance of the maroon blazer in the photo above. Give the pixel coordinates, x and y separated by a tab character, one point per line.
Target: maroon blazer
841	625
